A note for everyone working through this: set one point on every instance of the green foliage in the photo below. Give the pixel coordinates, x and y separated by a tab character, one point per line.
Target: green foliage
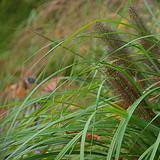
11	17
105	105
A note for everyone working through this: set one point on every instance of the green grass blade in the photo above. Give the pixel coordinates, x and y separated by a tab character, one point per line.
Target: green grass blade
155	147
118	137
68	146
84	136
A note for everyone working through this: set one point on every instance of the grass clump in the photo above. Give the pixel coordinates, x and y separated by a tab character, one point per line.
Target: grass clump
102	103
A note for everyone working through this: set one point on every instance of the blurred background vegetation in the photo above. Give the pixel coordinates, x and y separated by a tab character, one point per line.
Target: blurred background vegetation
53	19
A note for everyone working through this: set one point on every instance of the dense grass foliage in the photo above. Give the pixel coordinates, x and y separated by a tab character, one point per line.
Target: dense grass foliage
93	94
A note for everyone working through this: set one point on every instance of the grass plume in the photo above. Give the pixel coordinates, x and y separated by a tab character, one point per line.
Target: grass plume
118	82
